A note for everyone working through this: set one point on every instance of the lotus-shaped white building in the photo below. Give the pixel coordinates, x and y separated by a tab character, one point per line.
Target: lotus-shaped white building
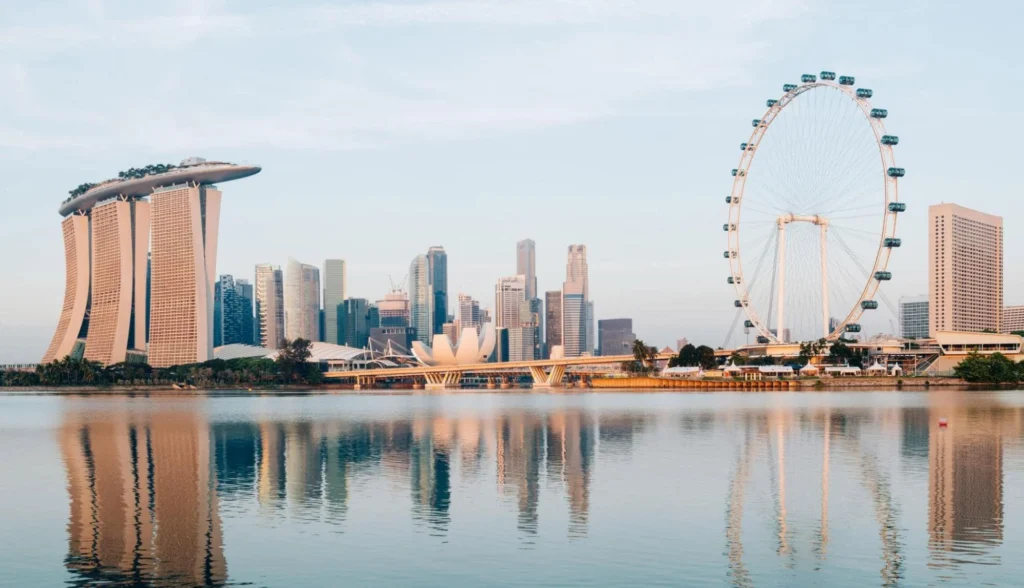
472	348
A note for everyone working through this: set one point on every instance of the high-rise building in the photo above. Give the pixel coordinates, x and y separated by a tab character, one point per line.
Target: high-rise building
914	317
591	328
522	334
335	282
231	305
1013	319
574	312
437	260
537	323
552	319
576	321
140	252
965	269
576	269
393	310
526	265
245	299
301	301
421	298
269	306
509	293
354	322
469	312
615	336
185	219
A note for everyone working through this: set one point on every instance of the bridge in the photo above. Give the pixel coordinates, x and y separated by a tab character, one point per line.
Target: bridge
546	373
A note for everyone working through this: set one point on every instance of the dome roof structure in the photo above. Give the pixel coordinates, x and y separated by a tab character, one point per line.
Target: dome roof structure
472	348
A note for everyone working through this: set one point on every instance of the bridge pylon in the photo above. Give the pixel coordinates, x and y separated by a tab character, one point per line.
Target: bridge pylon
443	380
552	379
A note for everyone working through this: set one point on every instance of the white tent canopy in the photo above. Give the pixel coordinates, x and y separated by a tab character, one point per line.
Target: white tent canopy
876	368
809	369
843	370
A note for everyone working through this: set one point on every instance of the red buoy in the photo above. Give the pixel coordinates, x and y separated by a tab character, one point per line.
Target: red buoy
943	422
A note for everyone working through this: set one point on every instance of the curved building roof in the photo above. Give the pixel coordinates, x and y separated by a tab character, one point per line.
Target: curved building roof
207	172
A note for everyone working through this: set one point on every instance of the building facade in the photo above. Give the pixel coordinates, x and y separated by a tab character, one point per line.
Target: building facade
246	298
574	312
140	252
914	317
353	322
301	301
526	265
421	298
230	307
184	256
1013	319
269	306
469	312
393	310
552	320
509	294
335	281
965	269
615	336
437	260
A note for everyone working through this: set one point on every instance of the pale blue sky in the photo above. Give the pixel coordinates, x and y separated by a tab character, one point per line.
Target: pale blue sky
386	127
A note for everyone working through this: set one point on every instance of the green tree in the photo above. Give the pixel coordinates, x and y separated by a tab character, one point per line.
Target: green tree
292	358
687	357
994	369
738	358
644	357
706	357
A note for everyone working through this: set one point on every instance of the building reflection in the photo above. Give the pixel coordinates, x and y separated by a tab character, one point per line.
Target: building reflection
965	483
143	501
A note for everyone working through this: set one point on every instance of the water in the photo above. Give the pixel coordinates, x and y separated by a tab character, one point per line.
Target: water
839	489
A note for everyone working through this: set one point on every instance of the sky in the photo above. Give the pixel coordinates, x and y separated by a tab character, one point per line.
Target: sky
384	127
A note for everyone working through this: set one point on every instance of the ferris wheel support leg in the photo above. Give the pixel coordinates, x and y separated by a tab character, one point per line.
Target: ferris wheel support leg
824	280
780	326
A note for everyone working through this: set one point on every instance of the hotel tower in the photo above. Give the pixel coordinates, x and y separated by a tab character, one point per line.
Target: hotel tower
141	256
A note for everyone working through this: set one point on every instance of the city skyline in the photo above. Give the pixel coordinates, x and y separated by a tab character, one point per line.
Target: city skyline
656	136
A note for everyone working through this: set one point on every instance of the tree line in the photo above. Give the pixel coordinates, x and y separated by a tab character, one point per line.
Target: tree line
290	367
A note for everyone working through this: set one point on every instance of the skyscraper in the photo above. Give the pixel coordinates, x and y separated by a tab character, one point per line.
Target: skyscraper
574	311
469	312
914	317
438	267
591	327
140	252
616	336
334	293
509	293
354	322
185	219
526	265
576	321
552	319
301	301
393	310
269	306
229	313
245	300
965	269
421	298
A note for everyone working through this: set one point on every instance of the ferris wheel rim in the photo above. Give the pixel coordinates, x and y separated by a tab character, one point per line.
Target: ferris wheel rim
889	216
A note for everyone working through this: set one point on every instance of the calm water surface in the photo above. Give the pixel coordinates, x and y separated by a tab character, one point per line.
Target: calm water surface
839	489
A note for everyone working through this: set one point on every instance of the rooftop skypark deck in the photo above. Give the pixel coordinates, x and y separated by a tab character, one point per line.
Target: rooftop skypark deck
141	182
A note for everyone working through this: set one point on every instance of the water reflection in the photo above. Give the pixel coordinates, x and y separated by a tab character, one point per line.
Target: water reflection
143	501
148	481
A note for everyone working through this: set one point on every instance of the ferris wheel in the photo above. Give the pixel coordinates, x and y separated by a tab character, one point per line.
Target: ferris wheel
812	224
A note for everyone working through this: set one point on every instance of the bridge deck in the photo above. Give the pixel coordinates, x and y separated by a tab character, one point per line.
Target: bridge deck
486	367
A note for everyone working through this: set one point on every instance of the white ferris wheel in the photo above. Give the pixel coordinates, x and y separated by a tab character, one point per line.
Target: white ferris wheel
812	224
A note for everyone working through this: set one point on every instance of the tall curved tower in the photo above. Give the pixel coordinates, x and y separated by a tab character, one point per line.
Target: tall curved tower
122	301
